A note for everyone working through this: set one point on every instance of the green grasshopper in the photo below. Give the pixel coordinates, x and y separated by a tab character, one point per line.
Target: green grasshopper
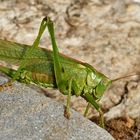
51	69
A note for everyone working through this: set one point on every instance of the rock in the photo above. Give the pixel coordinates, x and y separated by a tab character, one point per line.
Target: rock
130	104
27	114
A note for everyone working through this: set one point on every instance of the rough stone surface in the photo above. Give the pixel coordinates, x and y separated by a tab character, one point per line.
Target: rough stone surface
104	33
28	115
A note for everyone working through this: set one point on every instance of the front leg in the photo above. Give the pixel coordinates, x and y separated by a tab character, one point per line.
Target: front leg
90	99
87	109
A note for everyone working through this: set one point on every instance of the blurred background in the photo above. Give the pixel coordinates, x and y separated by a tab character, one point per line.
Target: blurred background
103	33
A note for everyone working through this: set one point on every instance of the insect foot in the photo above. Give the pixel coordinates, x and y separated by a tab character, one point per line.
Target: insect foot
6	85
67	113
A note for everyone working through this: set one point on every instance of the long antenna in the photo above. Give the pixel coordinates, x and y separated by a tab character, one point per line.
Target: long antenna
126	76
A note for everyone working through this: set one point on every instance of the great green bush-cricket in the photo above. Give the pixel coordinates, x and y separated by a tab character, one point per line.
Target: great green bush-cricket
51	69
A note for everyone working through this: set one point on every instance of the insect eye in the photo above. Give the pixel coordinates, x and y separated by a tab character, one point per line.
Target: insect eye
105	82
